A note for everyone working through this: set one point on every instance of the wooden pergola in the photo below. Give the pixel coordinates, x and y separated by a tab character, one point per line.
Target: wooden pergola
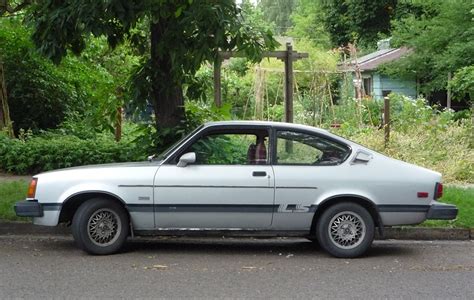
288	57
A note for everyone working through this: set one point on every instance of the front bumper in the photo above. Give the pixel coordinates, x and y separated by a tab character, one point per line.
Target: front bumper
29	208
441	211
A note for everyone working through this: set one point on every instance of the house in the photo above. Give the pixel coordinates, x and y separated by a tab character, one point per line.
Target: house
374	84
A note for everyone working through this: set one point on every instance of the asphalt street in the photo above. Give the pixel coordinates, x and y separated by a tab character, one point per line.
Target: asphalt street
51	266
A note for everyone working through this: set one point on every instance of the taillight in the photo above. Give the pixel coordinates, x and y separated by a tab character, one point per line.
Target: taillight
32	188
438	190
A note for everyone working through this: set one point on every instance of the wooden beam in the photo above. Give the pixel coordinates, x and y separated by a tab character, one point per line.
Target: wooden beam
275	54
217	82
289	84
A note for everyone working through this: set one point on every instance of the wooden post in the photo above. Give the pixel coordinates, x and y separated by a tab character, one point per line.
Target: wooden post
386	120
289	83
217	82
118	124
448	96
259	93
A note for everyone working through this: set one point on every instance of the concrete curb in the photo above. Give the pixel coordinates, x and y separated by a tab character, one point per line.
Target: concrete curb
396	233
427	233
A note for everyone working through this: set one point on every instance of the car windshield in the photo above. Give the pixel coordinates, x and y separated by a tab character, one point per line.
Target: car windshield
168	151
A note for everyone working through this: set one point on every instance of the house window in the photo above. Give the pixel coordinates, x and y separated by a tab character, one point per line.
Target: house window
385	93
367	84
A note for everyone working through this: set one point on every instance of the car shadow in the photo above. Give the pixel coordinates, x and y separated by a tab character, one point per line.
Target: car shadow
218	246
250	246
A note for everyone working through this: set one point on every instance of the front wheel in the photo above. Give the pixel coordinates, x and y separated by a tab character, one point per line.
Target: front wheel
100	226
345	230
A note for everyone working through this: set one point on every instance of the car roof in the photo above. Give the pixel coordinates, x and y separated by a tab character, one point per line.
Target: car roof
267	123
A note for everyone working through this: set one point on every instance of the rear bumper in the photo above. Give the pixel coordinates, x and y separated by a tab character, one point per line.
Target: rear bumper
441	211
29	208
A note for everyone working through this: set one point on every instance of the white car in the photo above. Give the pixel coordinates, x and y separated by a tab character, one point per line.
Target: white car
241	177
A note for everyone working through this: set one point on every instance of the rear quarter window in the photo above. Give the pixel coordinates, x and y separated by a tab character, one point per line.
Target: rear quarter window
298	148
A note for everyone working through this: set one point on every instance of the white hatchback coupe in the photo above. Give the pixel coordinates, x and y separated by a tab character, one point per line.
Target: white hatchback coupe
241	177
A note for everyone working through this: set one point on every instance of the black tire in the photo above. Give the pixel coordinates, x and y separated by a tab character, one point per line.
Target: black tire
111	226
352	230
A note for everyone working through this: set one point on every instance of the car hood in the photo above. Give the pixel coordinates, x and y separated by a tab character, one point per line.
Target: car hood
106	166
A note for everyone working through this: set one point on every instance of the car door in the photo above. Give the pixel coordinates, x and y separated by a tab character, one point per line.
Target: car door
305	164
230	185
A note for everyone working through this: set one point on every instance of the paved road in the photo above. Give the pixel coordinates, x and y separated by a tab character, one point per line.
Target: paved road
46	267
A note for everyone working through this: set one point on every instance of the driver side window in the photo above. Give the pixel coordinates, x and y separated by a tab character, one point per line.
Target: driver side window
231	148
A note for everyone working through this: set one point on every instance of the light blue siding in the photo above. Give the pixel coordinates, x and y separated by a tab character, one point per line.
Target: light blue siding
400	86
381	83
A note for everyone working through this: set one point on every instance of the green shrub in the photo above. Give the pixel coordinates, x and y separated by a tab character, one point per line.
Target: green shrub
37	95
33	154
42	95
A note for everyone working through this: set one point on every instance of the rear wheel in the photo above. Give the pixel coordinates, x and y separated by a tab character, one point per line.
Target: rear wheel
345	230
100	226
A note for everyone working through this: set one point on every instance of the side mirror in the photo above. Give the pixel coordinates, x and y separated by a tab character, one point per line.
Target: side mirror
186	158
362	157
151	157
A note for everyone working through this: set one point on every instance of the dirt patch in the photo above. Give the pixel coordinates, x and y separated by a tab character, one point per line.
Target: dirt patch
8	177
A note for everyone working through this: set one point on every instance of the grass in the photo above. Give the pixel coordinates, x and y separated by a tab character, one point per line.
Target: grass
463	198
11	192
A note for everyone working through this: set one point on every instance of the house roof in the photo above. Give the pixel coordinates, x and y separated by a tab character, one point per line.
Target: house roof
372	60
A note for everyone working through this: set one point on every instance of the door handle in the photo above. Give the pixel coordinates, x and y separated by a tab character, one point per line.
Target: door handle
259	173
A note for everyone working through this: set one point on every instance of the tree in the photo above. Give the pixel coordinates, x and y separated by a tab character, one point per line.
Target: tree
7	8
174	36
5	121
278	12
361	20
308	22
442	40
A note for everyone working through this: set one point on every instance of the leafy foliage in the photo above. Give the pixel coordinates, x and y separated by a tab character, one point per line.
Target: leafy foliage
32	154
462	83
308	19
361	20
42	95
32	82
278	13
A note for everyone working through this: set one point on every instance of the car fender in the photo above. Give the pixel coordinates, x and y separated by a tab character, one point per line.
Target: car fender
326	198
90	187
332	194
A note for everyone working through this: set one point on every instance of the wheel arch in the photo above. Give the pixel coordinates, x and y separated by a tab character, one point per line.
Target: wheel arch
368	204
72	203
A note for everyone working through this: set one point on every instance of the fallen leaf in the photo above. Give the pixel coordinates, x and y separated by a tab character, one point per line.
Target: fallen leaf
160	267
